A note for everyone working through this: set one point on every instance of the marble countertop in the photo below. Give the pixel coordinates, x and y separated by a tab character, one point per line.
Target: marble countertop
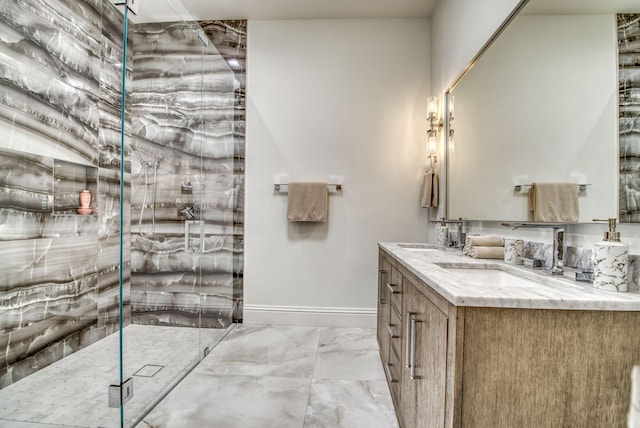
536	290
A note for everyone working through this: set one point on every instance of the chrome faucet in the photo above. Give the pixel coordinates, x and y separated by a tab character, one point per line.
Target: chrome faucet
559	246
460	236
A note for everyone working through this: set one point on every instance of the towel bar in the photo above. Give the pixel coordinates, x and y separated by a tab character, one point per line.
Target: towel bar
284	188
518	187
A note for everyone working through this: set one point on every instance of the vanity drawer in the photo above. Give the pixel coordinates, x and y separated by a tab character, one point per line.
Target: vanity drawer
394	288
394	328
393	372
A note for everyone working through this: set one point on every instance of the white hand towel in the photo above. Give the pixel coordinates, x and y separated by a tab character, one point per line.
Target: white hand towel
487	252
485	241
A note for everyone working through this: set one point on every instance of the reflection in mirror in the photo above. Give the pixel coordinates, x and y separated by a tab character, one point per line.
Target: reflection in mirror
539	105
629	75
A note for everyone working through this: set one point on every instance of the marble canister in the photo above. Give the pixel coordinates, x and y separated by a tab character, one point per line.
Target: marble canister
443	235
513	251
611	266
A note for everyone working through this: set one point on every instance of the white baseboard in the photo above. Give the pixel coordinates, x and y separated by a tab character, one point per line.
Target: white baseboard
310	316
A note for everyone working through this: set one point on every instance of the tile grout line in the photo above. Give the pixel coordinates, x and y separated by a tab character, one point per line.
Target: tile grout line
311	378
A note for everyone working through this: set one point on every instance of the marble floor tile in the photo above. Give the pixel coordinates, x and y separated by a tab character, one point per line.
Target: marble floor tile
349	404
348	354
257	350
73	391
256	377
16	424
206	400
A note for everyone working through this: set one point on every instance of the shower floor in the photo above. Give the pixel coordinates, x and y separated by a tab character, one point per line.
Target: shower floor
74	390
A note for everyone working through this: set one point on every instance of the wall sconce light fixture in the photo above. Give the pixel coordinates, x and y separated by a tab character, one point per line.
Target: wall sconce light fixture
435	124
451	143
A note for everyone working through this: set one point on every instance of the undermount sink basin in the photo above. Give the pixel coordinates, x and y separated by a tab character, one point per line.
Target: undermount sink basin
419	247
493	275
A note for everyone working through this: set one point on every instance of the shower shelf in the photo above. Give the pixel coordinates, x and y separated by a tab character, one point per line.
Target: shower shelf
69	179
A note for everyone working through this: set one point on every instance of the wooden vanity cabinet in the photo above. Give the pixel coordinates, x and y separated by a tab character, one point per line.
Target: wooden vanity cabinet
389	325
503	367
413	334
384	302
422	400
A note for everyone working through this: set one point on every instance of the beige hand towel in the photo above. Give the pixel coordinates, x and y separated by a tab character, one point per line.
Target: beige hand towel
308	202
430	189
554	202
487	252
485	241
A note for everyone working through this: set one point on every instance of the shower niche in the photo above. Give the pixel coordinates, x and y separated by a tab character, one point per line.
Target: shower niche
69	181
40	196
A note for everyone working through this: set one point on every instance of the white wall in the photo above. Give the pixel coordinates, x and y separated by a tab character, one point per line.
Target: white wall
332	97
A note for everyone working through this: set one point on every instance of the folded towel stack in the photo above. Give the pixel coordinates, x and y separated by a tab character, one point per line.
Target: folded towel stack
484	247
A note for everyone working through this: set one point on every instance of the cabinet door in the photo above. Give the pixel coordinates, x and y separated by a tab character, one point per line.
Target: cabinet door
384	275
424	347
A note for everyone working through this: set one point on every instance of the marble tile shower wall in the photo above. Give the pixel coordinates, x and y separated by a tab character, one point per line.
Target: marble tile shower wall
59	108
629	112
188	119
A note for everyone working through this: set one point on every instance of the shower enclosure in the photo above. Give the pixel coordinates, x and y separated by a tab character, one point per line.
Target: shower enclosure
104	309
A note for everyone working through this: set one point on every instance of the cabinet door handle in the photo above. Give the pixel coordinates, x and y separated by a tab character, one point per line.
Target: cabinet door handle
380	273
407	335
413	350
387	367
392	289
391	332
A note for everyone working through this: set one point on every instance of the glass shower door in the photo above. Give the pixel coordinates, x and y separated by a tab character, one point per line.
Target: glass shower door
183	198
141	283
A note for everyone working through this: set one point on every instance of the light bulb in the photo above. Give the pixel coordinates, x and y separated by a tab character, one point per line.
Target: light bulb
431	143
432	107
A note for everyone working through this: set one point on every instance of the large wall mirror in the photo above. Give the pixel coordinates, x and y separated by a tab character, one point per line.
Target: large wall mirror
541	104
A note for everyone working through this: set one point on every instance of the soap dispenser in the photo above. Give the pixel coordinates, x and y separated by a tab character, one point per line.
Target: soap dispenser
611	261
